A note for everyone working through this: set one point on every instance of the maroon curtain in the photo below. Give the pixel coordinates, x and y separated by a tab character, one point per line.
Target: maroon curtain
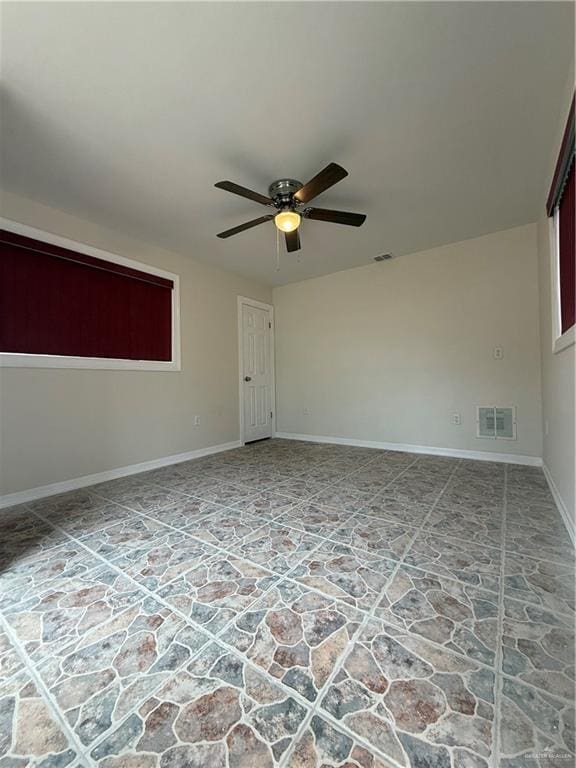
561	200
567	255
54	301
565	159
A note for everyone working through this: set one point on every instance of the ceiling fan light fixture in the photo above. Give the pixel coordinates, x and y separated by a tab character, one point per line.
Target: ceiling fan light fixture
287	221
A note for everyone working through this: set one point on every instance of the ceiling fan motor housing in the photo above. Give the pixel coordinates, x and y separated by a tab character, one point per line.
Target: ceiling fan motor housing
282	192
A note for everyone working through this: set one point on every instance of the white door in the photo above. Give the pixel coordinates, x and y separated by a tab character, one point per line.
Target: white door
257	373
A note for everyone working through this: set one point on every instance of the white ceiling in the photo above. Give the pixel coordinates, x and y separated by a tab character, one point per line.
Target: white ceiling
444	115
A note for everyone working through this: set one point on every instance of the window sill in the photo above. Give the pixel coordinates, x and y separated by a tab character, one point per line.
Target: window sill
11	360
566	340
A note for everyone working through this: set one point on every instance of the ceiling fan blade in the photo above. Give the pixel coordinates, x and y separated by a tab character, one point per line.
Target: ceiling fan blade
327	177
292	241
236	189
336	217
247	225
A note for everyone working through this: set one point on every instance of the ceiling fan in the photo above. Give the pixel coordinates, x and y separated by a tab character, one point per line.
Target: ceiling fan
289	197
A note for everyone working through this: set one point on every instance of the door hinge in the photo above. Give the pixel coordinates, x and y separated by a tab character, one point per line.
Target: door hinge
270	414
269	325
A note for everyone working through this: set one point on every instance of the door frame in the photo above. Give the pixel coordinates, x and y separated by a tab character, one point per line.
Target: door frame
242	302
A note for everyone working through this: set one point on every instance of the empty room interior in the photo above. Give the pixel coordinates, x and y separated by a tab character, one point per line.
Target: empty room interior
287	361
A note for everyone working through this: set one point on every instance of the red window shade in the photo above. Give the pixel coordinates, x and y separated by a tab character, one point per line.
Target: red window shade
54	301
567	252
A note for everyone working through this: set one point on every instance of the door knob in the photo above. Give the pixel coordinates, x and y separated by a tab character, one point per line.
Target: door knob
247	378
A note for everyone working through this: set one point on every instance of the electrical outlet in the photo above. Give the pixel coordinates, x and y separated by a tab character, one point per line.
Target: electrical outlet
196	421
498	353
456	420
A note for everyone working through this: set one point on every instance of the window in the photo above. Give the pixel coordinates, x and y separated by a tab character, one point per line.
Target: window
560	206
67	305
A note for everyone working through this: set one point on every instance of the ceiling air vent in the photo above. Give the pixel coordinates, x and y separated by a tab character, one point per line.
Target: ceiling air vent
383	257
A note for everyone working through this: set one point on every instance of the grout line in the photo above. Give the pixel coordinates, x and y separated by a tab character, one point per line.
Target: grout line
295	501
223	551
32	670
337	484
311	707
498	683
369	616
299	502
296	738
209	633
212	637
149	593
215	636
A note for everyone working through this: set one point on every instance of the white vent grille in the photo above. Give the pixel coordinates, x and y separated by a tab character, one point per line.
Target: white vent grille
496	422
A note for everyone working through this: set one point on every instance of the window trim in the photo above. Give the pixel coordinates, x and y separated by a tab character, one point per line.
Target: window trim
560	340
25	360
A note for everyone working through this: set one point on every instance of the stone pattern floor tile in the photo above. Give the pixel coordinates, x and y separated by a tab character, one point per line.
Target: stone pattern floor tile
30	734
217	712
184	514
343	497
225	527
538	647
155	565
65	610
535	729
547	544
277	547
121	537
290	605
267	503
351	575
97	681
382	538
149	498
484	531
296	635
26	536
312	518
459	617
469	562
216	590
323	745
542	582
71	503
415	703
81	524
10	661
389	508
29	573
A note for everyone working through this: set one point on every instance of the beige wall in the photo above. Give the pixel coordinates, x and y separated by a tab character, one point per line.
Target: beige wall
60	424
388	351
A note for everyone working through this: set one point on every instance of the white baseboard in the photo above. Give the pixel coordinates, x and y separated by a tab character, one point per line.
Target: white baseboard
22	497
457	453
562	508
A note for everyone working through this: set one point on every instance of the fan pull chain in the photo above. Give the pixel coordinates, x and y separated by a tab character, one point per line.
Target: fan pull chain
277	250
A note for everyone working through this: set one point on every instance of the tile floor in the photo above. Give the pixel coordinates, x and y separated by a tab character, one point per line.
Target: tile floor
290	605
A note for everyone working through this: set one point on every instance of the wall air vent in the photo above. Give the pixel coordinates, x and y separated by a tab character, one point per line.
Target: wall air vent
496	423
383	257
